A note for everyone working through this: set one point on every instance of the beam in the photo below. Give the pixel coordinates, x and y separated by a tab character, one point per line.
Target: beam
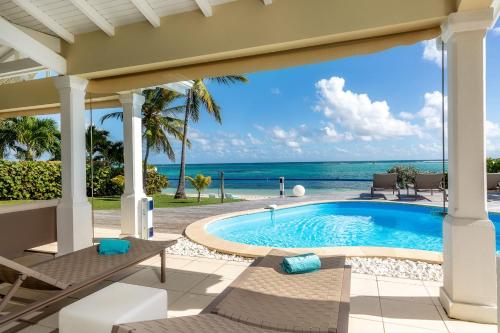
27	45
19	67
94	16
45	19
9	53
267	2
147	11
205	7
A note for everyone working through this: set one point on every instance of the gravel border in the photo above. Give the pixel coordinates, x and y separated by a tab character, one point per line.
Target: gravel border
407	269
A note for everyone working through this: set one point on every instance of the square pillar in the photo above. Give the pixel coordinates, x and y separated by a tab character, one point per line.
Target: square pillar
469	286
74	212
132	155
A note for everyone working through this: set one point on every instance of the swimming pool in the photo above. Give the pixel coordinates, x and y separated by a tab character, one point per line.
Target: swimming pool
337	224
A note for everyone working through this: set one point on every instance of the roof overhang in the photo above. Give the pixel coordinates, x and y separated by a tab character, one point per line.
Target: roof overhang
240	37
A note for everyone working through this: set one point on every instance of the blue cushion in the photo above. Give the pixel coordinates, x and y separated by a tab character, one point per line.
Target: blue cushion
303	263
110	246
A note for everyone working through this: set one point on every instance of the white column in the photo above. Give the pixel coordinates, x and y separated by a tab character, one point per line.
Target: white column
469	286
74	213
132	153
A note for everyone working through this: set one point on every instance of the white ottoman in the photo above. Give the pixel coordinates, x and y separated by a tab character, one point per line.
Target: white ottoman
118	303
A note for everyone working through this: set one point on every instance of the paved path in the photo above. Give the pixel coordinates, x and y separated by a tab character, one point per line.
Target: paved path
175	220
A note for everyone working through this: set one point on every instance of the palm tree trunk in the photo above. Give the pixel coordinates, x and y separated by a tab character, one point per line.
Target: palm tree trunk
199	196
145	165
181	187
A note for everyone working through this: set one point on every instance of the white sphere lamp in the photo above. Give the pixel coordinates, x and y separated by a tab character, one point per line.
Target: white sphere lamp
299	191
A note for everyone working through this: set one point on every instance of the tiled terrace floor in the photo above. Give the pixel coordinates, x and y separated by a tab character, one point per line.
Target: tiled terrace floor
378	304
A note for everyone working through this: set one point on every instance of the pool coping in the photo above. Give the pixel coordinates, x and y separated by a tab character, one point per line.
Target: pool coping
197	233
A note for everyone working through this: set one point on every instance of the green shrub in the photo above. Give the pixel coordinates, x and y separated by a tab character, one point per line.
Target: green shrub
406	174
493	165
30	180
155	181
103	180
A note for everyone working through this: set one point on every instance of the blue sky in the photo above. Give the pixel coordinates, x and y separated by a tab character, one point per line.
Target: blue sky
373	107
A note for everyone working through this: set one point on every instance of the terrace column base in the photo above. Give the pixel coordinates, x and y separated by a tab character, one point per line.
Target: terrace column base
78	234
469	286
131	214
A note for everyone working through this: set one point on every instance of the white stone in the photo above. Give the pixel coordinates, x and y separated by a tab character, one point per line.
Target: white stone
299	191
118	303
74	213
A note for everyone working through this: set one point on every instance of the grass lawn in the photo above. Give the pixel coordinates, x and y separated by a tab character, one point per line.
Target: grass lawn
161	201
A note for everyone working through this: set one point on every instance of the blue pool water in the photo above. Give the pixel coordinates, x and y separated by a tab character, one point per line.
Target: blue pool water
340	224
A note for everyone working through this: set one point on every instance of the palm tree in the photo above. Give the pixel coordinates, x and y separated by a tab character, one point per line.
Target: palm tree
30	137
104	149
159	122
200	183
198	97
7	138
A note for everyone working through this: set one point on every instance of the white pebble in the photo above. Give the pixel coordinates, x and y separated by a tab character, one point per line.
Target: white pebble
407	269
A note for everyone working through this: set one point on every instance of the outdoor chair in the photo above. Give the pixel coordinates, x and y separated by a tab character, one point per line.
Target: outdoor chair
72	272
385	181
493	182
263	299
431	181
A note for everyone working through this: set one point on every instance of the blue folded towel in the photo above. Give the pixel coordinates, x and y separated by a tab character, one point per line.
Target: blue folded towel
303	263
109	246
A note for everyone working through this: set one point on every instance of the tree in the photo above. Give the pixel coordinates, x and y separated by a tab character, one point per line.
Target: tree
200	183
105	150
7	138
30	137
158	121
198	97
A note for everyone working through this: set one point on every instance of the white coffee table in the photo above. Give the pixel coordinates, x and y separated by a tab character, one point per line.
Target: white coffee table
118	303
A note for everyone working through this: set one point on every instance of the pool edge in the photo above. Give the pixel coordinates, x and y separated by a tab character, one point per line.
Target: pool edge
197	233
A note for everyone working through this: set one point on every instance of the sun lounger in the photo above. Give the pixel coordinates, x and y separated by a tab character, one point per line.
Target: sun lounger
385	181
430	181
493	182
72	272
263	299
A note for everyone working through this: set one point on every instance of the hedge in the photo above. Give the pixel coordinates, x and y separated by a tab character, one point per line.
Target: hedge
41	180
30	180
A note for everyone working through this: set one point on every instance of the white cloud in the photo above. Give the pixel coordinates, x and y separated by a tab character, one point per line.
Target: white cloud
406	115
431	112
431	52
275	91
330	134
492	129
259	127
358	114
237	142
341	150
288	138
432	147
253	140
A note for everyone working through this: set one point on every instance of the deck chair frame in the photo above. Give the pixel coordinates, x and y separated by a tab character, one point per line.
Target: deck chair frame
65	289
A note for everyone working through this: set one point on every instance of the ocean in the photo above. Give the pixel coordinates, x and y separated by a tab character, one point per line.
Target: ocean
263	178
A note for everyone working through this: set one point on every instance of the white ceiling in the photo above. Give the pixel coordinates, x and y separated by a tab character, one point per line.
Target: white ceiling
116	12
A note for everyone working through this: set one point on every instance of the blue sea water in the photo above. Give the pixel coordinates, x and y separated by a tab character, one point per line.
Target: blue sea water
316	177
341	224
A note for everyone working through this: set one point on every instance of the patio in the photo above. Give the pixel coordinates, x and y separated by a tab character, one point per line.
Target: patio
378	304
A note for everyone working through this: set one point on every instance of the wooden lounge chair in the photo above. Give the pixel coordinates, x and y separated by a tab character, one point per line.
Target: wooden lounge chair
385	181
263	299
429	181
72	272
493	182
